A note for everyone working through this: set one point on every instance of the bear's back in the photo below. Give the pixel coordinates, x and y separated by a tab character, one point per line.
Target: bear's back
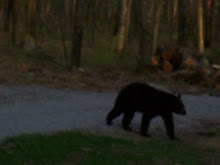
142	97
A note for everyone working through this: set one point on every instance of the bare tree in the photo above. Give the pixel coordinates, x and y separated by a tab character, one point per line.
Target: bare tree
156	26
144	34
218	23
175	6
7	12
68	8
32	6
63	23
20	28
200	27
128	19
168	7
10	19
181	22
206	21
1	9
122	27
152	10
212	16
79	14
13	22
92	16
175	20
117	18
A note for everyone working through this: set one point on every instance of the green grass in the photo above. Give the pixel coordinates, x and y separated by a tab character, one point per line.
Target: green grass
78	148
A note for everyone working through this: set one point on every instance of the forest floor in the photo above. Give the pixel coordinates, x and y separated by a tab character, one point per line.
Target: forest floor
19	67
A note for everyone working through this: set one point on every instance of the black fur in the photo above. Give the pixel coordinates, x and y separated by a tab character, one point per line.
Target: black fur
152	102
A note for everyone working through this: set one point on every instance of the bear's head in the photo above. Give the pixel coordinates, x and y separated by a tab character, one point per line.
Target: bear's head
177	106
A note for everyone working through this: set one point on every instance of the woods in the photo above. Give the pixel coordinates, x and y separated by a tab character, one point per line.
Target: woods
134	29
63	61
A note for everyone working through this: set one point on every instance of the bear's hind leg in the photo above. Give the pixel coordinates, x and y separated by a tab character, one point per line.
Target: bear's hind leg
127	120
145	124
112	114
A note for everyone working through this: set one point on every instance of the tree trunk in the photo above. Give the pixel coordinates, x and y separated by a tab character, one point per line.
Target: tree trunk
128	19
67	15
122	27
175	20
218	24
43	13
175	6
20	28
144	34
1	10
75	59
93	22
206	24
181	23
8	14
38	13
63	28
32	6
191	27
169	11
152	11
200	27
215	33
212	21
12	19
156	27
117	18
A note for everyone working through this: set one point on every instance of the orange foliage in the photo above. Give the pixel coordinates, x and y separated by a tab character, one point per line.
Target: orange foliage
167	66
154	61
166	55
169	54
190	64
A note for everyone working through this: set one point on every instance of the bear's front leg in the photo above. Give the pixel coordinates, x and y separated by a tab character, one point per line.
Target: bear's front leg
168	121
127	120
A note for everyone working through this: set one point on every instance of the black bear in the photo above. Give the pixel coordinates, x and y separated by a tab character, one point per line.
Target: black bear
152	102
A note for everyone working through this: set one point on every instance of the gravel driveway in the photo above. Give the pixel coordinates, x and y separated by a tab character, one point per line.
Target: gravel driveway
38	109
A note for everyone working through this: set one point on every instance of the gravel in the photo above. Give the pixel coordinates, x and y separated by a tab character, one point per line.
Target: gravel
38	109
